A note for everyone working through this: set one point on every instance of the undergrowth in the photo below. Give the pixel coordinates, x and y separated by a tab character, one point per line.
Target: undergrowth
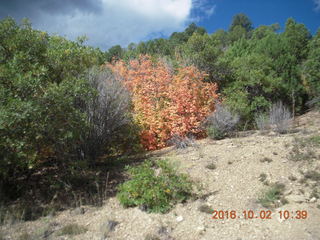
155	186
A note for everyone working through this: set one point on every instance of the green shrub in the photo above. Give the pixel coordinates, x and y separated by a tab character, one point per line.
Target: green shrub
274	193
43	90
215	133
154	185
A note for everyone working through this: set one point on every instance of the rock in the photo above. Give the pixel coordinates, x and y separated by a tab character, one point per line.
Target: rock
108	227
111	225
163	231
313	200
296	198
179	219
201	229
143	208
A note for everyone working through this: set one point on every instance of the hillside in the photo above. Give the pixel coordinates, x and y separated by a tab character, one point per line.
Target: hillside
234	173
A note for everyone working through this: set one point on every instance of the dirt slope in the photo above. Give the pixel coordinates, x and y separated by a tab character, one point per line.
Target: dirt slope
235	184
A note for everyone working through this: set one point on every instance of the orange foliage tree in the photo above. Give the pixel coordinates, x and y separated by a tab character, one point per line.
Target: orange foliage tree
166	103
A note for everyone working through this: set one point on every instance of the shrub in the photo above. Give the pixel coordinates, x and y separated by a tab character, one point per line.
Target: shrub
221	122
42	93
181	142
314	103
304	148
280	117
262	121
166	102
155	186
108	112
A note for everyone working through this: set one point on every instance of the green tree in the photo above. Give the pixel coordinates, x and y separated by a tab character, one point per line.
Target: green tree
241	20
296	37
114	53
310	68
254	87
43	91
202	51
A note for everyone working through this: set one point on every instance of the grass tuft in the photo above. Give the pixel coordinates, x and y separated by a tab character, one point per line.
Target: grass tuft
211	166
205	209
273	194
72	229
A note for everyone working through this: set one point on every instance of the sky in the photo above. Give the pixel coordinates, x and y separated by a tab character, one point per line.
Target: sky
110	22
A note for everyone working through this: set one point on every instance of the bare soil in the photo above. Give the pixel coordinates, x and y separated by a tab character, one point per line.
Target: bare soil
233	185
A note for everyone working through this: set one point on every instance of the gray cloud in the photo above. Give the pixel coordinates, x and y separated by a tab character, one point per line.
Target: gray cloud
105	22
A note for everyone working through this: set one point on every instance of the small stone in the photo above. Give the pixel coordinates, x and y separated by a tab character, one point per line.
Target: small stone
313	200
108	227
179	219
111	225
201	229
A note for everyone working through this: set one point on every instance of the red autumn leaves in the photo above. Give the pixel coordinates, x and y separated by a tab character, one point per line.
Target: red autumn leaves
166	102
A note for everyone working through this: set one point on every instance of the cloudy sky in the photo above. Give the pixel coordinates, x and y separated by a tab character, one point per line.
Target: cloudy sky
110	22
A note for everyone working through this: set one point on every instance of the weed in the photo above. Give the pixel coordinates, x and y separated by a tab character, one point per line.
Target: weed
280	118
284	201
312	175
292	178
315	193
205	209
266	159
211	166
267	183
262	177
25	236
273	194
303	148
155	185
150	236
262	121
72	229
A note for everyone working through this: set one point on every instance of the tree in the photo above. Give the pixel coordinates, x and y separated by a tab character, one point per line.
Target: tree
296	37
241	20
114	53
310	68
43	91
254	87
202	51
181	37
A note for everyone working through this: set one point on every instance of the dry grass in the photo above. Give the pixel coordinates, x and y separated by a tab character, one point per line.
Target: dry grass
72	229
